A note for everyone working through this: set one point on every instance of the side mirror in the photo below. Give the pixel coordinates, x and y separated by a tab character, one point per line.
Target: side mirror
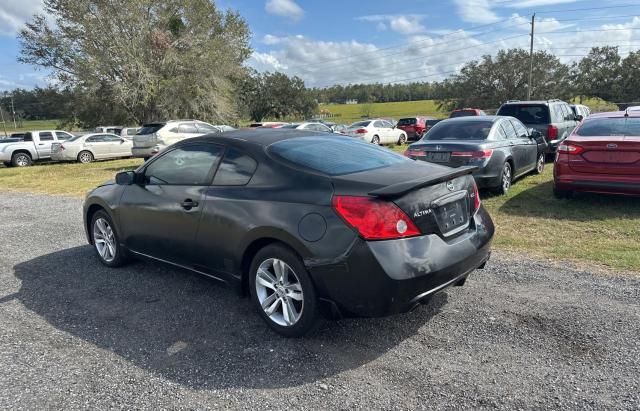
125	178
579	117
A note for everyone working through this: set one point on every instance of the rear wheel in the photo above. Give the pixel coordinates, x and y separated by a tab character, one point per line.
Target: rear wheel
282	291
562	194
375	140
7	164
21	160
85	157
402	139
505	179
540	164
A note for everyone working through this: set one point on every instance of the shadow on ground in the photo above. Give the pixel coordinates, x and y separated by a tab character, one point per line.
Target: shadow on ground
190	330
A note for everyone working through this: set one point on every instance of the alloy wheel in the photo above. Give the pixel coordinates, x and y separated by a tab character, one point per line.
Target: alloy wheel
104	240
375	140
506	178
540	164
279	292
22	160
85	157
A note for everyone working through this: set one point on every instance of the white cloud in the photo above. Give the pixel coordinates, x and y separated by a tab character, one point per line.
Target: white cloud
403	24
521	4
270	39
476	11
284	8
14	13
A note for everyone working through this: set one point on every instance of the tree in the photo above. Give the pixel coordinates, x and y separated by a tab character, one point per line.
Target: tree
630	78
598	74
141	59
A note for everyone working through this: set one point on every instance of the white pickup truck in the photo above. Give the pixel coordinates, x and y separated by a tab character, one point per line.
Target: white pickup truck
35	146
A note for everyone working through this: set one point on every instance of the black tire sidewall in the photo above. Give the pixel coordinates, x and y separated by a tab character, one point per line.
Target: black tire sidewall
121	256
500	189
15	157
309	318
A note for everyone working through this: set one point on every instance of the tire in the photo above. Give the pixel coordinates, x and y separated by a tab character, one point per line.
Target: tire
506	178
376	140
85	157
402	139
7	163
562	194
21	160
539	164
106	241
273	292
145	159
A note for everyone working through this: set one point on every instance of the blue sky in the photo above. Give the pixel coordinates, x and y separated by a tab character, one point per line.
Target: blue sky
340	42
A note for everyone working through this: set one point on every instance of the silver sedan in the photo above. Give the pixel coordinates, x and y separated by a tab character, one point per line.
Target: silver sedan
89	147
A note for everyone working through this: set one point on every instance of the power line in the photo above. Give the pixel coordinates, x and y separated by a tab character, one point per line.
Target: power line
619	6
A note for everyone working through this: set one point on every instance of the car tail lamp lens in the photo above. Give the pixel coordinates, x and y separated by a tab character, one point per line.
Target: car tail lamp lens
568	148
473	154
374	219
552	132
414	153
61	147
361	131
476	197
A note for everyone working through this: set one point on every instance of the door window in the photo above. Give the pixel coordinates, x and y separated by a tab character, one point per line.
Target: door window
99	138
558	114
188	128
509	131
236	169
521	130
46	136
207	128
378	124
187	165
111	139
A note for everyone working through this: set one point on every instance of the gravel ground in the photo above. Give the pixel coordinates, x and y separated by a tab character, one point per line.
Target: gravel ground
519	334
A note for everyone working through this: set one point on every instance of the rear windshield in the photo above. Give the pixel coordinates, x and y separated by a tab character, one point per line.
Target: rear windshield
360	124
335	156
459	130
463	113
150	128
620	126
290	126
74	138
527	113
407	121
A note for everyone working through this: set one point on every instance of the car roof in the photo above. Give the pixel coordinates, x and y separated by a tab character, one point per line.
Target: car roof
471	119
616	114
262	137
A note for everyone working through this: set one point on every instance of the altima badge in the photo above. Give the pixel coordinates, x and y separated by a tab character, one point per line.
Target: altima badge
450	185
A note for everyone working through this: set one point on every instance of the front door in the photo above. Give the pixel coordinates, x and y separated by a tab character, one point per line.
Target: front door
43	147
159	216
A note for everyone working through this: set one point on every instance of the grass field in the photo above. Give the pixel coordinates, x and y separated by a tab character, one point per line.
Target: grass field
587	229
30	125
350	113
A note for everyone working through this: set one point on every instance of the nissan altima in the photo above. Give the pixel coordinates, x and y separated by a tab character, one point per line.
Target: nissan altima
307	224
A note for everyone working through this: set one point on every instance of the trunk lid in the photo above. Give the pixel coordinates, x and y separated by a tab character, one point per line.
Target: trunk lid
446	153
438	200
617	155
144	140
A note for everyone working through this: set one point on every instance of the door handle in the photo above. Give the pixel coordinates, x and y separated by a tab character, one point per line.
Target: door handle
188	204
41	144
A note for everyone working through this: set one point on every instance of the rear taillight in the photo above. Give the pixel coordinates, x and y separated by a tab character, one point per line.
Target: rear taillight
361	131
476	197
415	153
568	148
473	154
552	132
374	219
61	147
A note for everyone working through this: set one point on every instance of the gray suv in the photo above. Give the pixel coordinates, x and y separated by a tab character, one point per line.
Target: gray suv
553	118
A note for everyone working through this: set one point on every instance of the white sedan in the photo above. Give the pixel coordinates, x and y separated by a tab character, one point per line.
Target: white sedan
309	125
89	147
377	131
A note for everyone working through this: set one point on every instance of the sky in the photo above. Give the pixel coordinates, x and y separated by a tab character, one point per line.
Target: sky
352	41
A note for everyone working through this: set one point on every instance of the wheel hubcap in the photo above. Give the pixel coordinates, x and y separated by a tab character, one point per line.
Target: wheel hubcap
85	158
279	292
104	240
506	178
541	163
22	161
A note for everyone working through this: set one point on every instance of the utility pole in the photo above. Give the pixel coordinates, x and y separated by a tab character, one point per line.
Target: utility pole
13	111
4	125
533	23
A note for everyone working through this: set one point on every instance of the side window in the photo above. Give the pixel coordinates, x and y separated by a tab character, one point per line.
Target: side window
98	138
236	169
509	131
28	137
570	116
521	130
173	130
186	165
206	128
188	128
111	139
45	136
63	136
500	133
378	124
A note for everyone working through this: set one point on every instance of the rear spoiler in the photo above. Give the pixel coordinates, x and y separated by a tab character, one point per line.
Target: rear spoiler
398	189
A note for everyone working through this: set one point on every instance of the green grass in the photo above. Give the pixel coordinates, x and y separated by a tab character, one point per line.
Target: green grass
350	113
591	229
29	126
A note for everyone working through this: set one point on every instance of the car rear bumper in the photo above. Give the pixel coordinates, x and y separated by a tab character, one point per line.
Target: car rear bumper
377	278
567	179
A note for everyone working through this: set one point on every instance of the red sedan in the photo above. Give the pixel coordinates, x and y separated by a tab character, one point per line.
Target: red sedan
602	155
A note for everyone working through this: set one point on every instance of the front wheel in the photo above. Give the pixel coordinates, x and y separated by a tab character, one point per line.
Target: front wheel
540	164
105	240
282	291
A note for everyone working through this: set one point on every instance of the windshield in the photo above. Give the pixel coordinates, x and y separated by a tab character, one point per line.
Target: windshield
620	126
335	156
527	113
150	128
463	113
74	138
360	124
459	130
406	121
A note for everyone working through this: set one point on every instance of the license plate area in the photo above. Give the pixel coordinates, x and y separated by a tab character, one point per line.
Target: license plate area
437	157
452	217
